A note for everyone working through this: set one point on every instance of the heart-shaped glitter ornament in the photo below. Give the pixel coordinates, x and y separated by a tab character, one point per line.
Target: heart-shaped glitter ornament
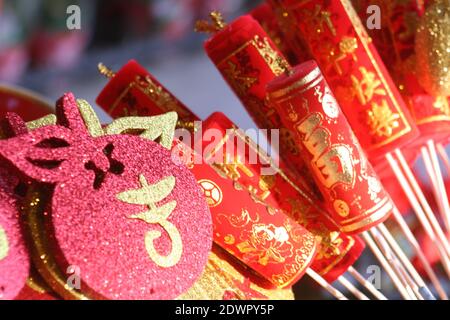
116	218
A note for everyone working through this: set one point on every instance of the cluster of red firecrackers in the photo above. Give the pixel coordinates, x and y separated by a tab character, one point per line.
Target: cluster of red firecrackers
206	229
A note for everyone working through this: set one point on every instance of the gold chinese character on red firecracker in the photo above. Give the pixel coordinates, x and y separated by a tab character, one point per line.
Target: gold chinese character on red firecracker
149	195
320	18
367	87
231	168
382	120
238	81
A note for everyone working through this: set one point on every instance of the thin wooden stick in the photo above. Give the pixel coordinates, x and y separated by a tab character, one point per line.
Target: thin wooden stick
433	179
392	274
392	259
424	203
350	287
322	282
412	287
443	198
444	157
419	211
369	286
415	245
423	288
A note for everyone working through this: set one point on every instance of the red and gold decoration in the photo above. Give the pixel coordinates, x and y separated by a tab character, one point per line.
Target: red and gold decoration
152	225
159	204
133	91
413	45
352	190
248	60
338	41
280	191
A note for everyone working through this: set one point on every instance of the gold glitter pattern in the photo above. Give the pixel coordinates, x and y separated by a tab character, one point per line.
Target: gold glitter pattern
433	49
162	126
47	120
90	118
148	195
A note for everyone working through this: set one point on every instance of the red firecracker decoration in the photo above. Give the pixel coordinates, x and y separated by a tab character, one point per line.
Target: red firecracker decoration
338	41
355	196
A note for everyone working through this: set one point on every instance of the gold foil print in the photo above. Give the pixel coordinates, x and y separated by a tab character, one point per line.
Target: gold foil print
4	246
149	195
223	281
211	191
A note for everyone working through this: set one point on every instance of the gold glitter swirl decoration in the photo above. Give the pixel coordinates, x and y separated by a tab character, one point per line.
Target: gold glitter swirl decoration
433	48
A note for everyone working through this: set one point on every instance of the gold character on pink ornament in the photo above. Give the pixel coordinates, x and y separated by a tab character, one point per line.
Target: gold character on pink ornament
149	195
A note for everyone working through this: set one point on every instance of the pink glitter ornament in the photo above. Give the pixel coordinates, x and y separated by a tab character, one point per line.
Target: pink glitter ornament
123	222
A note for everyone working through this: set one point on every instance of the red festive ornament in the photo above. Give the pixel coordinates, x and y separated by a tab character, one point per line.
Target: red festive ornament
134	91
266	240
395	42
281	191
338	41
337	251
355	196
268	20
248	60
142	227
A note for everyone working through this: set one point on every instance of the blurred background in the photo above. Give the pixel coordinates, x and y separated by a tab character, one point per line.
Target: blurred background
38	52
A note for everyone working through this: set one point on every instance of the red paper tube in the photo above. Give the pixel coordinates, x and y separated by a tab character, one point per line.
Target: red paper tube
269	242
282	193
395	42
248	60
356	198
134	91
371	102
